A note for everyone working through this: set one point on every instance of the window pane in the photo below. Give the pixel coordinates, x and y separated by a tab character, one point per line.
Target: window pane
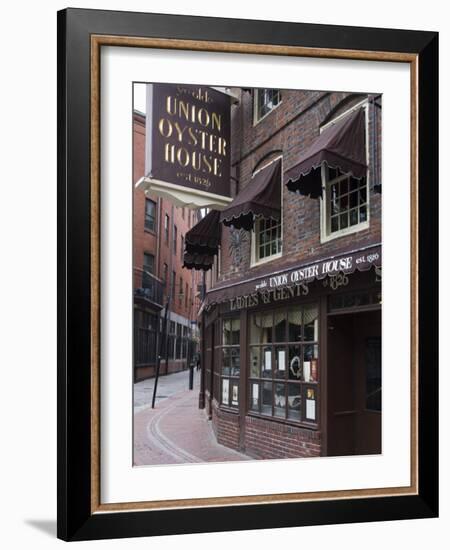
235	331
310	404
344	221
261	328
280	326
227	333
294	401
310	363
311	323
226	360
343	186
335	224
280	362
354	216
362	195
267	362
363	214
254	396
295	363
235	361
295	325
225	391
266	404
280	401
234	393
354	184
353	199
255	361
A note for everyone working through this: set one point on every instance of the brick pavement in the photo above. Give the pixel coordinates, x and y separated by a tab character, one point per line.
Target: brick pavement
177	432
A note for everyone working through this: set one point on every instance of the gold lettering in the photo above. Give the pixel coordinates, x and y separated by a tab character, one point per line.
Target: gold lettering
203	117
169	102
180	153
217	164
216	121
183	109
165	123
193	141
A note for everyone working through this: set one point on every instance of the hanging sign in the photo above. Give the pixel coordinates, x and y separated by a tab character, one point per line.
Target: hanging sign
188	144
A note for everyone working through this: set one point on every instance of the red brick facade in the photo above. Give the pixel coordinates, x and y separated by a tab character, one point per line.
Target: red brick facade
288	130
184	300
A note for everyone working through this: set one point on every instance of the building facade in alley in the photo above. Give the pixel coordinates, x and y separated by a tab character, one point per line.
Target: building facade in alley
159	280
291	322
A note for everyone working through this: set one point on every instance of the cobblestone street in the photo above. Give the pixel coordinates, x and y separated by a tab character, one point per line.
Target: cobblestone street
176	431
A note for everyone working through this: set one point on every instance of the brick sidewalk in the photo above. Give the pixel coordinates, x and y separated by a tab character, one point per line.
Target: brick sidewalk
177	432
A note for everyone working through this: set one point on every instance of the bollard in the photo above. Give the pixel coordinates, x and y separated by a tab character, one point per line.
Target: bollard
191	376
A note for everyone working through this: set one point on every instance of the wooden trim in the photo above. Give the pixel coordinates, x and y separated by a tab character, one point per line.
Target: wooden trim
414	275
323	374
261	49
95	243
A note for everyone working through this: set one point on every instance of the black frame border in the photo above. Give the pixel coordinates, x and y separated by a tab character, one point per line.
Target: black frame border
75	521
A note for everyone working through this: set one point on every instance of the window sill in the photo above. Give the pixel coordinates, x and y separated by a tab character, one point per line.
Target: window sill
286	422
344	232
257	121
266	260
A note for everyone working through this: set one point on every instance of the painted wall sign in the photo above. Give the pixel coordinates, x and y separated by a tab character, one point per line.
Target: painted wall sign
188	139
293	282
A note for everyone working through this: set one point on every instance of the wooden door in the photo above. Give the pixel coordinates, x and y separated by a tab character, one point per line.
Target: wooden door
354	383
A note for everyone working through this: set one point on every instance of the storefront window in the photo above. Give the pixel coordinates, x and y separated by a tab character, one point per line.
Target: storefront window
230	362
283	370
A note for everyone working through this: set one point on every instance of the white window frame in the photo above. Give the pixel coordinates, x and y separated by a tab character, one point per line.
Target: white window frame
254	260
257	120
325	219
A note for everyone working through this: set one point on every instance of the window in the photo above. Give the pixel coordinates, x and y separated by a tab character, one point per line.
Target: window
265	100
184	346
175	237
182	212
182	247
171	340
173	284
180	291
166	228
145	337
267	239
345	203
150	215
147	270
149	262
186	295
178	345
230	362
165	273
284	354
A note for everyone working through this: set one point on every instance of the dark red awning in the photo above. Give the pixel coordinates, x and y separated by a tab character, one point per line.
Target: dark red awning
202	242
261	197
341	146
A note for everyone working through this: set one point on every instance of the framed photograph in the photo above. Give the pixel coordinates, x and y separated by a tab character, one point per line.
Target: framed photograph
247	261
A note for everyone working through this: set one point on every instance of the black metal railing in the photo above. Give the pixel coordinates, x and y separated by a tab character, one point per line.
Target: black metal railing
148	287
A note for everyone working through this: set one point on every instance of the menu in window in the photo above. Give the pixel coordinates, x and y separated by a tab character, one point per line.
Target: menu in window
281	359
225	391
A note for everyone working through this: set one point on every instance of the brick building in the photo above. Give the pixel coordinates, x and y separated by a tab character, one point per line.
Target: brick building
159	229
292	317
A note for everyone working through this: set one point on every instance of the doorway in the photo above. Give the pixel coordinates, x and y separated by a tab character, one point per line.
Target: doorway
354	383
